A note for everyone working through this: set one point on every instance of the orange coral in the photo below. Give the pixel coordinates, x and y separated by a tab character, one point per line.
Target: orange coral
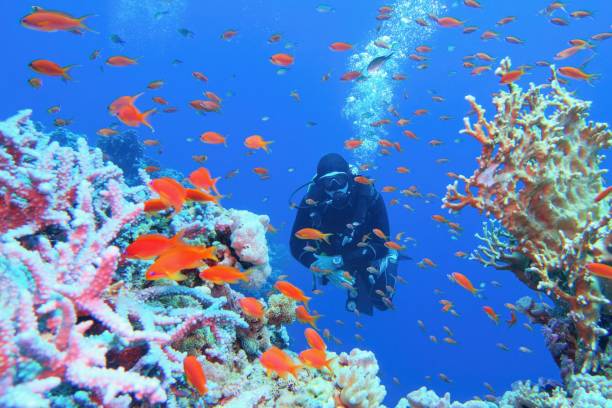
538	174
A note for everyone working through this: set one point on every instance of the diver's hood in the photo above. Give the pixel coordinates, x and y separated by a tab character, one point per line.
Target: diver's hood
332	162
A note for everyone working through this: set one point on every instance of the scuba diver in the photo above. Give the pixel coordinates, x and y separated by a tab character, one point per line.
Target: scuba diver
350	254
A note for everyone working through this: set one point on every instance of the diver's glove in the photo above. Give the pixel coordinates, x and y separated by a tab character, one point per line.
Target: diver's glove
326	264
341	279
330	267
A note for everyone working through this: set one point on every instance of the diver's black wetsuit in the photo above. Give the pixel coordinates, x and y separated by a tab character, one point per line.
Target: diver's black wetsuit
365	207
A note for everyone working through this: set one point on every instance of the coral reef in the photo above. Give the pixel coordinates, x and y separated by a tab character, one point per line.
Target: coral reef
64	320
81	327
583	390
538	175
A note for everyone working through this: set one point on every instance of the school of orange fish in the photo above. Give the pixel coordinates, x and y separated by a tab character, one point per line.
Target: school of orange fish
172	256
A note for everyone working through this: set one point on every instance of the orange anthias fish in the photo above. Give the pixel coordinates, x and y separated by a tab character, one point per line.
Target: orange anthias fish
131	116
199	76
262	172
447	305
491	313
394	245
439	218
200	196
152	245
121	102
205	106
283	60
120	61
106	132
160	100
229	34
170	191
51	21
479	70
568	52
257	142
172	262
352	144
314	340
35	83
511	76
577	73
221	274
155	205
291	291
213	138
340	46
512	321
363	180
599	269
379	233
304	317
315	358
277	361
155	84
50	68
195	374
202	179
402	170
251	307
213	97
448	22
350	75
464	282
313	234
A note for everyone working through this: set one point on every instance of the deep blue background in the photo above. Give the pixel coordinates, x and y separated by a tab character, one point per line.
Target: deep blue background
241	67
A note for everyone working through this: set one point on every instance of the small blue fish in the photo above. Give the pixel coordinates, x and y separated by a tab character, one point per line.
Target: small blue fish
377	63
160	14
186	33
117	40
325	8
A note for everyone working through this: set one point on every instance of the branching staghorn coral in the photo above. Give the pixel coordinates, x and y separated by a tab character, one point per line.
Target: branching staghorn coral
538	175
497	244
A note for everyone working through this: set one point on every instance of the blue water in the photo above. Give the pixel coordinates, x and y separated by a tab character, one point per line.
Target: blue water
239	72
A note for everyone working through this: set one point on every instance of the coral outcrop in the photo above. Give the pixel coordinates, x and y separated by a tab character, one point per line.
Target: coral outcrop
583	390
79	326
538	175
68	328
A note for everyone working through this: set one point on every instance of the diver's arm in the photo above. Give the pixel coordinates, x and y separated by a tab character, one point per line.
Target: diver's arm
302	220
376	248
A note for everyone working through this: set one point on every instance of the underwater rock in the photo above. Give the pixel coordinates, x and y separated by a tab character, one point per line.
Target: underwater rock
127	153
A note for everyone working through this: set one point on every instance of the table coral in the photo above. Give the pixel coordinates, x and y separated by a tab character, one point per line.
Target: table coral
538	174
